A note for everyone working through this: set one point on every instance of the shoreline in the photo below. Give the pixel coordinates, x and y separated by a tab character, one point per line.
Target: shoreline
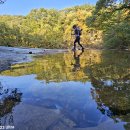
16	55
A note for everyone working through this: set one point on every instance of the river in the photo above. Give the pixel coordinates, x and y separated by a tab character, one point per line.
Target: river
68	91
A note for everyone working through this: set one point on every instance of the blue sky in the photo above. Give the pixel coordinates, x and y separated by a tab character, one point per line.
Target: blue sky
23	7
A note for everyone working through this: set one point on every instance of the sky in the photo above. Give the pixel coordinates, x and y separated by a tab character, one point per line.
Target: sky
23	7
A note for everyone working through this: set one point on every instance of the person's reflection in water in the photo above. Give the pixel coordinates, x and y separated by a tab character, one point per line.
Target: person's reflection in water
77	61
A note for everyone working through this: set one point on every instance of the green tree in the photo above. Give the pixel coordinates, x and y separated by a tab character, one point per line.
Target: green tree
112	17
48	28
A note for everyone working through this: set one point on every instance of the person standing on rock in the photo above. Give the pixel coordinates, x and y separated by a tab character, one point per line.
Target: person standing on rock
77	33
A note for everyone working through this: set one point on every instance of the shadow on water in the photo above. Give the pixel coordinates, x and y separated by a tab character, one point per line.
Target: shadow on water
82	90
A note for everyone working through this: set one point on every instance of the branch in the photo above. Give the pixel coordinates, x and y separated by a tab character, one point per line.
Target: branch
122	7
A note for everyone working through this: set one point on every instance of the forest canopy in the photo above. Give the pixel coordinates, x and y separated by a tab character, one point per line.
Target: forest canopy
48	28
113	18
106	25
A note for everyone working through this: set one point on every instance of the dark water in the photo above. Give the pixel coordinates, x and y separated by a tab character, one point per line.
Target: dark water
81	91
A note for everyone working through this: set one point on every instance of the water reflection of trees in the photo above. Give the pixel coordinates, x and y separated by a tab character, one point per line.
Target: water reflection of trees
111	81
108	71
9	98
58	67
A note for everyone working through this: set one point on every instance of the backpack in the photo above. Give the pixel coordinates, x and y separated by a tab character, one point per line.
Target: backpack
78	31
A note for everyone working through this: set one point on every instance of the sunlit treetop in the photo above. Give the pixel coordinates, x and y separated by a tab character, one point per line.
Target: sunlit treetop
109	12
113	4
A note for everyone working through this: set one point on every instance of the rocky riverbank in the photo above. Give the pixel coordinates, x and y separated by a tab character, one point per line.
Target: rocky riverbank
11	55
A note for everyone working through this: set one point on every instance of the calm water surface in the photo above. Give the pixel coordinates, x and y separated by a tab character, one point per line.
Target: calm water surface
81	91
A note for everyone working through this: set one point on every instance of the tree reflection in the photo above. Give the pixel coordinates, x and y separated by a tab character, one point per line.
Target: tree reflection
9	98
108	72
111	82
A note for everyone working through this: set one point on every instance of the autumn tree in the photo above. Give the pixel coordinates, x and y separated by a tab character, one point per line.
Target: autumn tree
112	16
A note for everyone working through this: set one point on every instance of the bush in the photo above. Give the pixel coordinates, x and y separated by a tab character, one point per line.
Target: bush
118	36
